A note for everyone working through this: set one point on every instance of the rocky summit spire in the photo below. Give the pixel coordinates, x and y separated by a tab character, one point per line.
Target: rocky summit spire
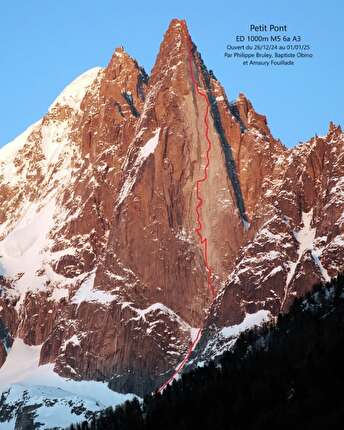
125	83
173	52
334	130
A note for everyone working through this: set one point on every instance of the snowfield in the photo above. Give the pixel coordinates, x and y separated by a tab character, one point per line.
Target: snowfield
61	401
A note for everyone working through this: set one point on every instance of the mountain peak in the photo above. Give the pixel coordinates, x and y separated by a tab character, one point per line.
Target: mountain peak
178	32
177	24
333	129
244	103
125	80
173	49
120	56
102	265
119	50
248	116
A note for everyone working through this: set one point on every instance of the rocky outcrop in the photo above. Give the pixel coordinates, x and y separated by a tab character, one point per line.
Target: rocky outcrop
99	256
297	239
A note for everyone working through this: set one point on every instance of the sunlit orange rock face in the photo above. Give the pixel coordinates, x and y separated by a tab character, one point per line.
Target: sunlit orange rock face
99	258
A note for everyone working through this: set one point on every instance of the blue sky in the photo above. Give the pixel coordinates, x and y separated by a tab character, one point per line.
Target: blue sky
46	44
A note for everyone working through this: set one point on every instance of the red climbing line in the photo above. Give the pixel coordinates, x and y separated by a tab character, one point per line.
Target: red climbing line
198	229
181	365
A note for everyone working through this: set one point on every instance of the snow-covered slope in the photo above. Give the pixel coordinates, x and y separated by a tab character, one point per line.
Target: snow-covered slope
37	393
35	169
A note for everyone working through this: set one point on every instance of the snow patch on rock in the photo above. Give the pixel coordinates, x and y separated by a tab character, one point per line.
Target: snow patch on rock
87	293
250	321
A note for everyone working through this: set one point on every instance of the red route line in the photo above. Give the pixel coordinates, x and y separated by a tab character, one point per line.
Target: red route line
198	229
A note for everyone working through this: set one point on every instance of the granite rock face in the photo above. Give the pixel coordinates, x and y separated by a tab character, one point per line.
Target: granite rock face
99	258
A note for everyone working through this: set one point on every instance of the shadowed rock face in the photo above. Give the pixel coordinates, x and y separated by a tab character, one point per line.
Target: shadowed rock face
101	263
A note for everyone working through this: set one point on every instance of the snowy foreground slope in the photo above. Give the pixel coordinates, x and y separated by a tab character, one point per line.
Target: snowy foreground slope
31	393
102	277
36	394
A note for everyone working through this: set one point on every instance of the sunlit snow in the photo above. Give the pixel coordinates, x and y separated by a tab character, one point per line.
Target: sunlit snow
73	93
88	293
41	382
250	320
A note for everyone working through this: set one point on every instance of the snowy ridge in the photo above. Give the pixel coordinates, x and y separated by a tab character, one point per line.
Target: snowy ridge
54	134
26	244
156	310
87	293
73	93
9	151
